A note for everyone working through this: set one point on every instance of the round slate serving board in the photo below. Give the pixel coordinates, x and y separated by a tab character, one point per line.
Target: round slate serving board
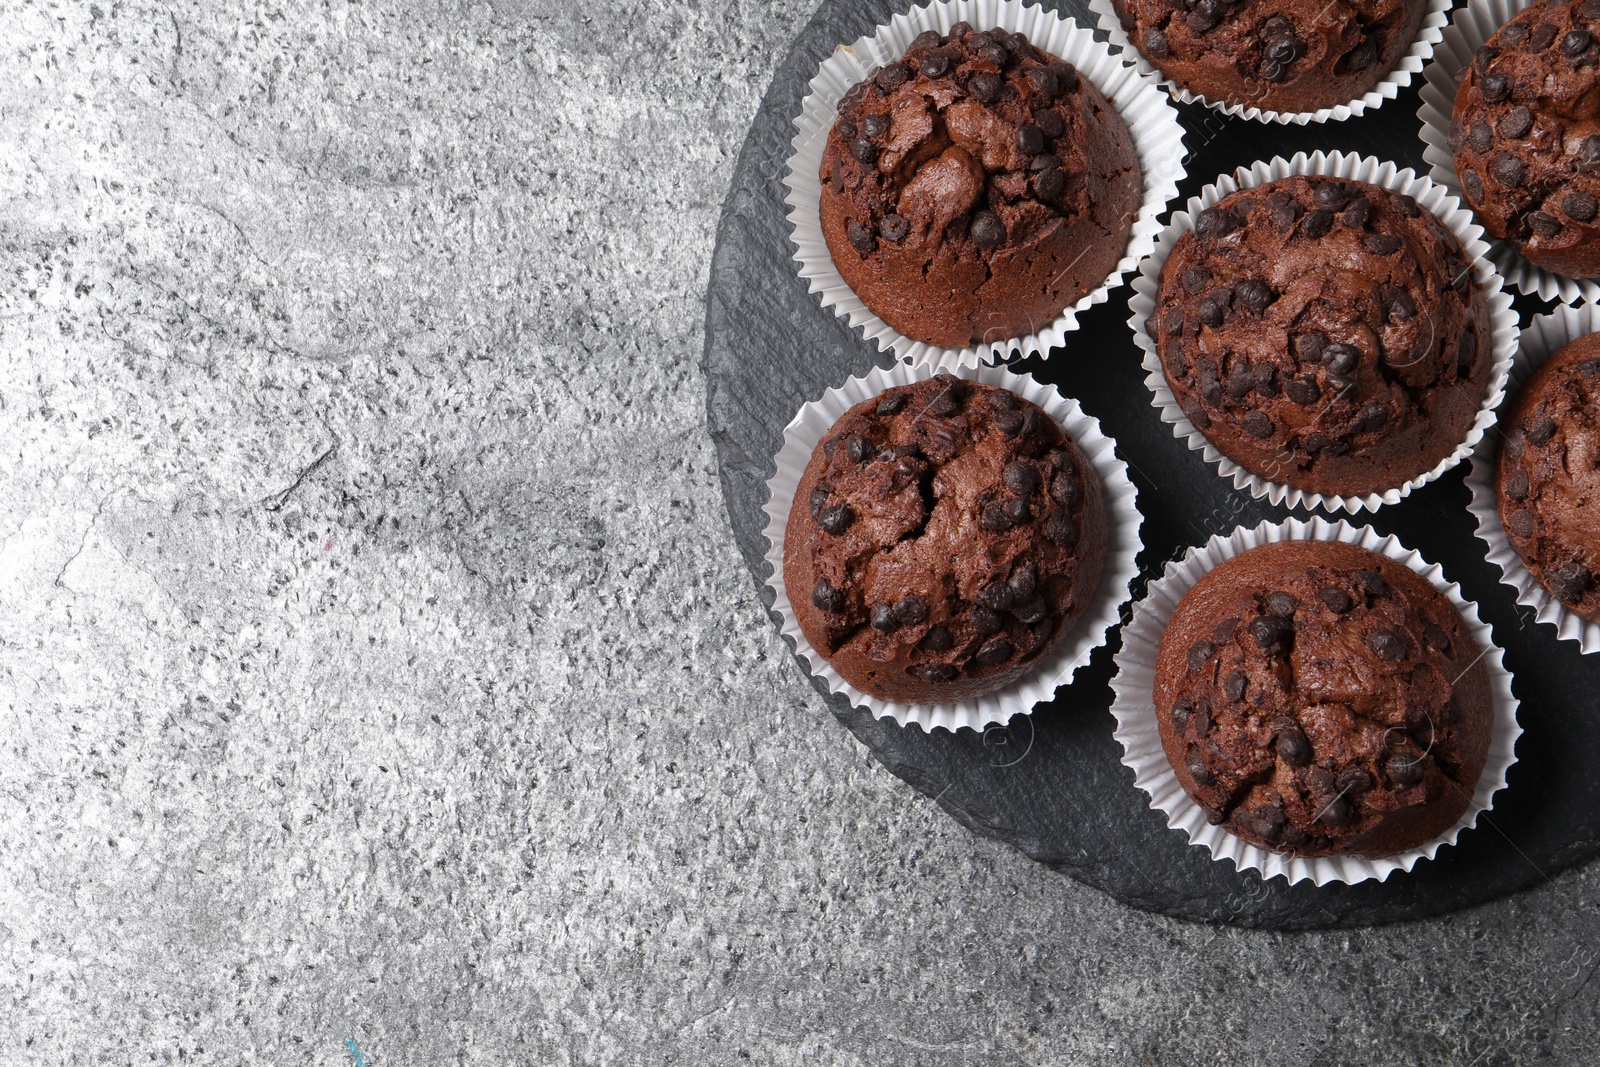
1053	784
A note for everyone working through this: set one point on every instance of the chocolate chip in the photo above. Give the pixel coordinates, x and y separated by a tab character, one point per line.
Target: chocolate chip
1061	530
1266	823
1471	184
994	519
1052	126
1317	223
987	230
1180	714
1383	244
1030	140
1030	611
1397	304
1542	37
938	639
1340	358
1336	599
859	448
1155	44
893	76
1494	87
1197	768
1467	348
1516	484
943	405
1002	400
1257	424
891	403
911	609
1266	380
1308	347
1200	653
984	621
1575	43
1282	604
1291	744
1064	489
852	99
1241	379
1331	194
1020	477
1353	781
827	598
996	597
1589	368
1480	136
1017	510
1271	632
1507	169
935	672
1580	207
1372	417
1210	388
1195	279
1521	524
1356	215
1044	79
1360	57
1214	222
1514	33
1303	391
883	619
1008	422
1590	9
1404	770
1224	630
995	652
861	238
1386	643
1233	685
936	65
1254	294
1544	224
1371	582
1213	308
1285	209
1050	184
1335	812
1025	582
1540	430
985	87
1270	70
835	519
1205	16
1568	581
1516	123
1283	50
894	227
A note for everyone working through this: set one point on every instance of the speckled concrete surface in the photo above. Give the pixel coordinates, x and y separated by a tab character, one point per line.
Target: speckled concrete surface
377	667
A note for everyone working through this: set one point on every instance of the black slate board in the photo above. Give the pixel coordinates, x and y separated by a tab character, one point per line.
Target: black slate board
1052	784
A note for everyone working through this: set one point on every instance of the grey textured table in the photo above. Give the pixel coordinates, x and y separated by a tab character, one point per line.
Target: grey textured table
376	664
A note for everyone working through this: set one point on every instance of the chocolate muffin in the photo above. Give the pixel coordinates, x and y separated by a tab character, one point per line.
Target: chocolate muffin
1281	55
944	537
1319	699
1323	334
1525	133
1548	480
976	188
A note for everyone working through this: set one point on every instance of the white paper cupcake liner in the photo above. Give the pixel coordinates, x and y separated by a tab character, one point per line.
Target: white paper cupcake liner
1432	197
800	439
1133	706
1428	35
1471	26
1151	120
1545	336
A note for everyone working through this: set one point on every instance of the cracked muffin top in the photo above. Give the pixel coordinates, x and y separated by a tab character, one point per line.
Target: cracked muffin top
1320	699
944	536
974	189
1548	481
1324	334
1525	133
1278	55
